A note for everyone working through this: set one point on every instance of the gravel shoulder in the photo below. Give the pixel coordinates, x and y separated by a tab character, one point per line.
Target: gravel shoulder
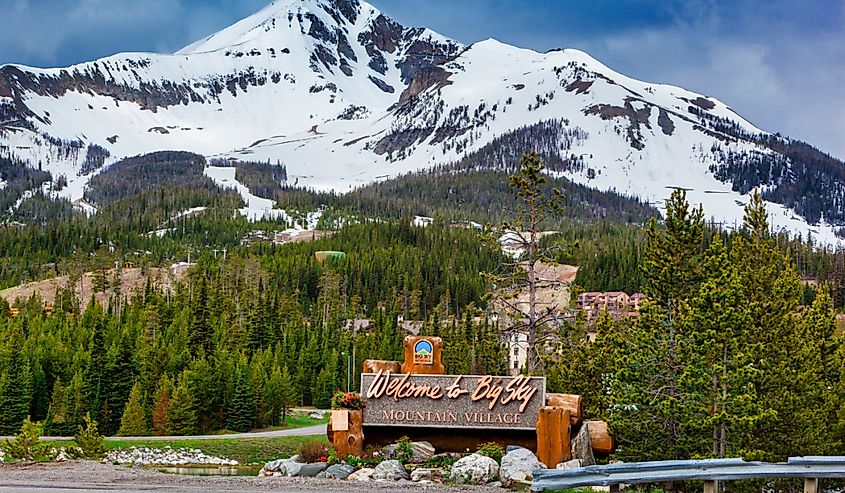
95	476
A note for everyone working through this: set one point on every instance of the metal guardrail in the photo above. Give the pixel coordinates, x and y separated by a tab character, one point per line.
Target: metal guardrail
709	470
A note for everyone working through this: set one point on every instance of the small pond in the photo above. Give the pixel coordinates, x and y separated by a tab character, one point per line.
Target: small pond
208	470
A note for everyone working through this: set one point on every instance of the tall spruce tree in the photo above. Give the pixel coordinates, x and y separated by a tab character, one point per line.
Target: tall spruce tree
240	414
181	411
719	377
200	330
15	384
134	422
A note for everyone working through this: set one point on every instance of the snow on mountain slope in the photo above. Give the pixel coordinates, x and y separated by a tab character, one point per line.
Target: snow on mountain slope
343	96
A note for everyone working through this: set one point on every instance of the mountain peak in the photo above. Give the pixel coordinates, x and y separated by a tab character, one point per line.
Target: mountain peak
279	13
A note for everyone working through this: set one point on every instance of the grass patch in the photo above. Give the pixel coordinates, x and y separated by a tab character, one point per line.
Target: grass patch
243	450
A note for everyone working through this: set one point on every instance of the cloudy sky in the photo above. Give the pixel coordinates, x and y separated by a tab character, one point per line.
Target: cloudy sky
779	63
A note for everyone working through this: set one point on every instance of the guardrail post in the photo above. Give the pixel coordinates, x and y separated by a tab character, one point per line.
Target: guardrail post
811	485
711	486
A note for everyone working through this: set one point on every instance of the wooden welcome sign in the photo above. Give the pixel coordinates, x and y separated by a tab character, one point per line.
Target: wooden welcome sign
452	401
459	412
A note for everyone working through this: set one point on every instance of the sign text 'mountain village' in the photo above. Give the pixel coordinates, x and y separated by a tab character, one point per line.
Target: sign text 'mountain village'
454	401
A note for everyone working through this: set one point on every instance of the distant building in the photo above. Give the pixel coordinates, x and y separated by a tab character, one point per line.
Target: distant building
635	301
617	303
517	344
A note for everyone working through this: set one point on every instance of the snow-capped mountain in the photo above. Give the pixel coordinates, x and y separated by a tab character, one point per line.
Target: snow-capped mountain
343	95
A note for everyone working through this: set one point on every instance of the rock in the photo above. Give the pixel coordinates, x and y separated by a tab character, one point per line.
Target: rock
518	465
166	457
278	474
365	474
339	471
311	470
422	451
321	475
494	484
474	469
581	447
62	456
274	465
390	470
511	448
296	458
292	468
429	475
318	414
264	473
570	464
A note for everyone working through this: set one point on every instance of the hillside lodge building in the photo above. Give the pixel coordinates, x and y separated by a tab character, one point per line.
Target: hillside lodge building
617	303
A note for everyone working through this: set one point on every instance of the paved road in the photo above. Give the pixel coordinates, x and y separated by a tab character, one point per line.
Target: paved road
295	432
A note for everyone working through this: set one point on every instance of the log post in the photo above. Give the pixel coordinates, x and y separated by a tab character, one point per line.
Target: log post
346	432
711	486
553	436
374	365
811	485
572	402
600	437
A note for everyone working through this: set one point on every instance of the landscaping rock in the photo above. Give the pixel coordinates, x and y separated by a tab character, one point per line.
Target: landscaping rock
475	469
167	456
511	448
274	466
365	474
339	471
291	468
570	464
494	484
518	465
311	470
318	414
429	475
581	448
422	451
390	470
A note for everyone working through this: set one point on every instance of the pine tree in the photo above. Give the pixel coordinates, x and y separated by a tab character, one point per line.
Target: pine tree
181	413
15	387
241	409
537	201
719	377
95	382
120	382
162	404
652	366
290	397
200	330
133	422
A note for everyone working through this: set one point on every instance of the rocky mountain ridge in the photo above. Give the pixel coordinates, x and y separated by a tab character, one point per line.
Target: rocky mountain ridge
342	95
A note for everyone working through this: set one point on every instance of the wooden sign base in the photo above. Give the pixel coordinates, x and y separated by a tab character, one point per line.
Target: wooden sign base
348	441
553	436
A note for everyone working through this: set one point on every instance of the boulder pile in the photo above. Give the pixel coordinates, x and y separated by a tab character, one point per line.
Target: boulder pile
167	456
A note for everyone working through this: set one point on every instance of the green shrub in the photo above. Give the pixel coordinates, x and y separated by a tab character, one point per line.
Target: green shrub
89	440
492	450
27	444
404	450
